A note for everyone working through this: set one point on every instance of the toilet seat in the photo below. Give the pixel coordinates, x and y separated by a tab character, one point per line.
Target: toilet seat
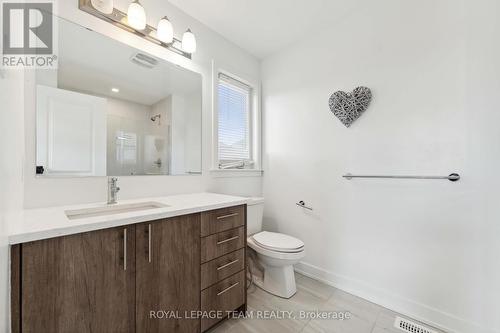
274	241
274	254
297	254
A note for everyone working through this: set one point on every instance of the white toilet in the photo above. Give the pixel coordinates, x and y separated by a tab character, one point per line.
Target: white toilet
276	253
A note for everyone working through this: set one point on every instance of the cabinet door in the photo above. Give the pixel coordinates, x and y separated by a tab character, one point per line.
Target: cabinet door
168	274
79	283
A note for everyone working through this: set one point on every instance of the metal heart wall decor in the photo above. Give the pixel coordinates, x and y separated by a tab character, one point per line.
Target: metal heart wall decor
349	106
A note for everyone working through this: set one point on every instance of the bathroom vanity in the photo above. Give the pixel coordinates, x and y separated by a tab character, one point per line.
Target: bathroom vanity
177	267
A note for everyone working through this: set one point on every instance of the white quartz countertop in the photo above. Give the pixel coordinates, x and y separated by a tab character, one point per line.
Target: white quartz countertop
42	223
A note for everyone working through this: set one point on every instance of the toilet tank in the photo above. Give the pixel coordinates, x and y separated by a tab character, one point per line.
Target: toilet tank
255	212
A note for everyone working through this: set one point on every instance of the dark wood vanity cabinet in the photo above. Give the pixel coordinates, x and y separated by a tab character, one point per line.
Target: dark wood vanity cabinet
142	278
223	258
168	274
77	283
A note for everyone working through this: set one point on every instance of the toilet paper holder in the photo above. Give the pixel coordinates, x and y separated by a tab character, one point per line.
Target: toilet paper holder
302	204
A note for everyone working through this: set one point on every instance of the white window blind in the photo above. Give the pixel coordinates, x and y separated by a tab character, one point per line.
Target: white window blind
126	147
234	107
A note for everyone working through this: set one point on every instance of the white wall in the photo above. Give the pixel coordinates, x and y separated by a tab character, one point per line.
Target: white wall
193	137
428	249
178	135
211	46
11	172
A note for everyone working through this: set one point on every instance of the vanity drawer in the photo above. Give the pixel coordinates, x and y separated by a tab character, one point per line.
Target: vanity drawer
217	245
227	295
222	267
223	219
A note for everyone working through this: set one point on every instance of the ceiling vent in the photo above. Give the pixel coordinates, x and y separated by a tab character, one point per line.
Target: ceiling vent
408	326
144	60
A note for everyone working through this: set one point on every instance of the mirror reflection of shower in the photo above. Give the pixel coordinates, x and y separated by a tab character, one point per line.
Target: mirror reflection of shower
155	118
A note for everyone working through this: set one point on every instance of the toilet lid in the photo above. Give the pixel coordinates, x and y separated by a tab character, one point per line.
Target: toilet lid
278	242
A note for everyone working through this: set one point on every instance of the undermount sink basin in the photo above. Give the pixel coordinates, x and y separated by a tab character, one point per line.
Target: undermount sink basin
111	210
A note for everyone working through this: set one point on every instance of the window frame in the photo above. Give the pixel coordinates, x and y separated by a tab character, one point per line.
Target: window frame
253	166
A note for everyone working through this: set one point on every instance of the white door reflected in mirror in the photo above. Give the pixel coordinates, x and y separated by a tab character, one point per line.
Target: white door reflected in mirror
71	133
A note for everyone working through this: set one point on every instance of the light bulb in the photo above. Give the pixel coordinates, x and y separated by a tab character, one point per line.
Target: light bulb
136	16
165	31
104	6
189	42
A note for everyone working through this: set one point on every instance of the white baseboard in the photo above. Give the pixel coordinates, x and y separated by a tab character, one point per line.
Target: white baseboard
407	307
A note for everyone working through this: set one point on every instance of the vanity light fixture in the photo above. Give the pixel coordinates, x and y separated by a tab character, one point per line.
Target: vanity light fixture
189	42
165	31
115	90
104	6
134	21
136	15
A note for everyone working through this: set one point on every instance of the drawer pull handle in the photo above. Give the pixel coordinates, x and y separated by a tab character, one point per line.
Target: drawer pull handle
125	249
150	231
228	264
227	289
228	240
226	216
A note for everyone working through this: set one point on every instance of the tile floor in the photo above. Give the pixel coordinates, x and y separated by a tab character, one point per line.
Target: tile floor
312	295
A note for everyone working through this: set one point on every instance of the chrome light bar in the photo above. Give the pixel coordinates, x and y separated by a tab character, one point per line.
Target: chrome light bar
119	19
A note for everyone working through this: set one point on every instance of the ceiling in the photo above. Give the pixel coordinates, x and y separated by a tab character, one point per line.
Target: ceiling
263	27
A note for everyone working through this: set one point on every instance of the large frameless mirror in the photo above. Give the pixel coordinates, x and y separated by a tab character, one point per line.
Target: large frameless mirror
110	109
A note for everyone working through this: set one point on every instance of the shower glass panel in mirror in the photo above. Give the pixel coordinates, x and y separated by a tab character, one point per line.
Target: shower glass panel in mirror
110	109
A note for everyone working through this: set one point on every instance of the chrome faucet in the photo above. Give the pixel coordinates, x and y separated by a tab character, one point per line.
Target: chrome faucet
112	190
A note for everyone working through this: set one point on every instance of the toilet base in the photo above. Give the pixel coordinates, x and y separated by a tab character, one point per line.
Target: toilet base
279	281
277	267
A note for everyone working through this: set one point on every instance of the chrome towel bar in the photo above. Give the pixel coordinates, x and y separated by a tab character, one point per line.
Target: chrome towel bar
452	177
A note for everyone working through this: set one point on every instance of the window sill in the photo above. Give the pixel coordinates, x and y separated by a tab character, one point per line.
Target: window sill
225	173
